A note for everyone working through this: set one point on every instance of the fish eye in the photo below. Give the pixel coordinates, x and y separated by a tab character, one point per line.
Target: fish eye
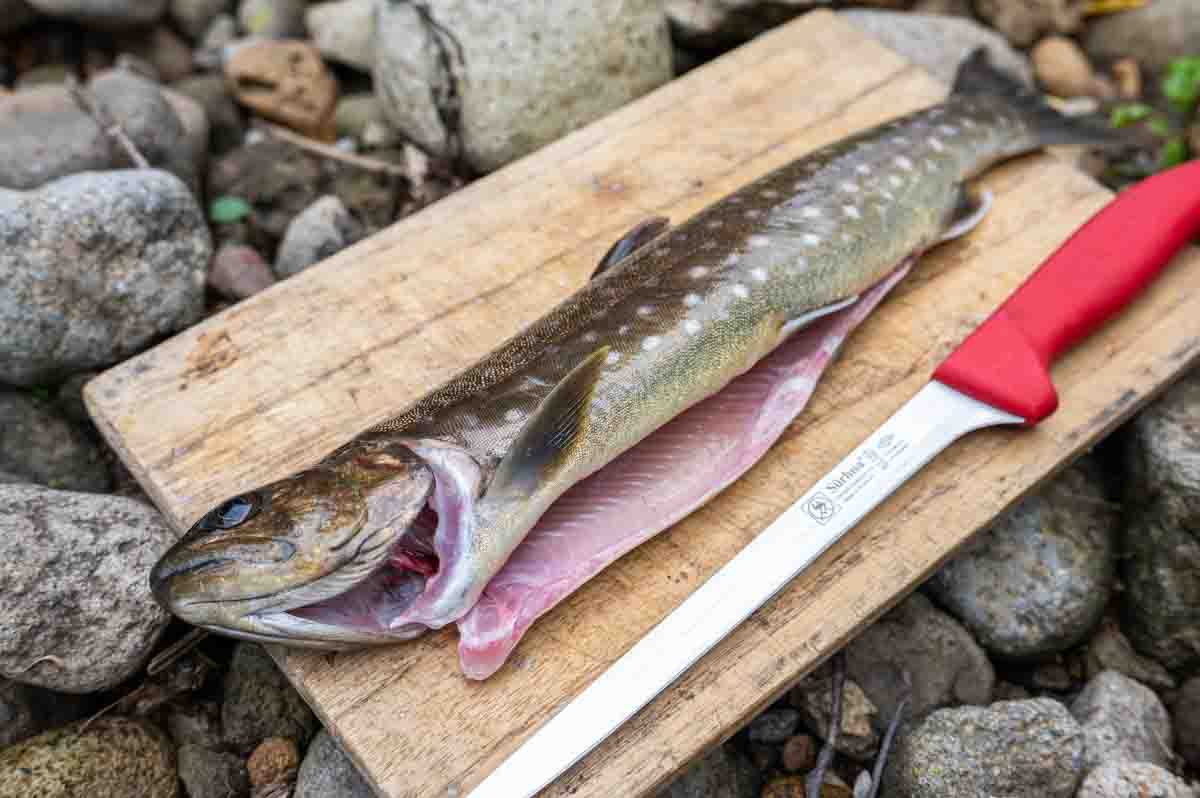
232	512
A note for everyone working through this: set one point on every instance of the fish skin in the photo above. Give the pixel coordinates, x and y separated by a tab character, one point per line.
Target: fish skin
670	324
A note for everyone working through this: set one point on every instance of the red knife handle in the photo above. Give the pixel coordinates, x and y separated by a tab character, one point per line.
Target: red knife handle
1100	269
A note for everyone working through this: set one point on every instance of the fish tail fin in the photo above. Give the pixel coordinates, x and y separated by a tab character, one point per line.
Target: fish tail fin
978	76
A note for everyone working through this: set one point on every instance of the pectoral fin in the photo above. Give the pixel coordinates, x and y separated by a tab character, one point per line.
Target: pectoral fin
792	326
967	214
553	430
642	233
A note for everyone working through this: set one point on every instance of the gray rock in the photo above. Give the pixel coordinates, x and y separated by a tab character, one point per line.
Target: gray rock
259	703
212	774
194	143
327	770
343	30
277	19
161	48
112	14
40	445
916	650
774	726
111	757
15	14
1133	780
1185	711
1037	581
361	117
857	735
531	72
98	266
1011	749
939	43
724	772
47	135
1161	559
26	710
1023	22
195	723
194	16
226	128
1122	721
1110	650
78	614
1154	34
720	23
319	231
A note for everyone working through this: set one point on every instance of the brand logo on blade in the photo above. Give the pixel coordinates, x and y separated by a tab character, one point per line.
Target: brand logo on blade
820	508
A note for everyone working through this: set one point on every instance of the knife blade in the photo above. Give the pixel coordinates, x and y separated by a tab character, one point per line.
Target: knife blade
999	375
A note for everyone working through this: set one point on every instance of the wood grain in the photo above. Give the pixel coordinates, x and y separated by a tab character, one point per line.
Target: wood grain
273	383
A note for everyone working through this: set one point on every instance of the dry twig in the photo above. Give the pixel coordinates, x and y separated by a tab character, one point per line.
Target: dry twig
333	153
817	776
92	106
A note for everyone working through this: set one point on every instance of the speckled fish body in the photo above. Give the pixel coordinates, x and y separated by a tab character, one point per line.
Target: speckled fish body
437	500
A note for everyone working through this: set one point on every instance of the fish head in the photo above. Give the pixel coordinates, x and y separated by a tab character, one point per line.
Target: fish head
251	566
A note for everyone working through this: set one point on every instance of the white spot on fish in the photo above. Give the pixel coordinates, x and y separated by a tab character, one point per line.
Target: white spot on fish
714	224
645	310
757	242
651	342
849	187
863	169
889	195
759	274
811	212
753	213
811	239
740	291
770	193
513	415
691	326
904	163
662	251
590	337
708	245
691	300
696	272
948	130
851	211
937	144
612	357
623	329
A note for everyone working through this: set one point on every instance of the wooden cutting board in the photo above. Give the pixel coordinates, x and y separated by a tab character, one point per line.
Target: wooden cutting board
273	383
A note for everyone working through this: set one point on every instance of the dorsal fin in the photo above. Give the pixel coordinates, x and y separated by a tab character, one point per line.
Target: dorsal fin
640	234
552	431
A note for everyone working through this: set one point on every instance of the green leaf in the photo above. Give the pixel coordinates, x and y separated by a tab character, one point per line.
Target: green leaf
1181	84
1129	113
1173	153
1159	126
227	210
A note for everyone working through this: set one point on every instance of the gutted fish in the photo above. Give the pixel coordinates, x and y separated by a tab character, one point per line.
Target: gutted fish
624	409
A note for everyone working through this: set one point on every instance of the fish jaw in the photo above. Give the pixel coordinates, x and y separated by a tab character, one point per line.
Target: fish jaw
254	565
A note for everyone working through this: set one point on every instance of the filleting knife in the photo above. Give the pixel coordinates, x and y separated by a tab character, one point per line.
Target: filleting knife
998	375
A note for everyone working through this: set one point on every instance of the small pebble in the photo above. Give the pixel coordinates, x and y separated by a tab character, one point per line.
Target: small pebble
1133	780
274	761
285	81
774	726
800	753
321	230
857	735
1062	67
238	271
211	774
1122	720
276	19
1128	77
327	771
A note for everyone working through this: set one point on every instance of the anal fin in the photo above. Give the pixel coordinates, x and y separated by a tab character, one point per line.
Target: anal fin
553	430
637	237
967	215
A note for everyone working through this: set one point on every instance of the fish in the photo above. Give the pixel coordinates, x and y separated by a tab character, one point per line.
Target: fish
622	410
